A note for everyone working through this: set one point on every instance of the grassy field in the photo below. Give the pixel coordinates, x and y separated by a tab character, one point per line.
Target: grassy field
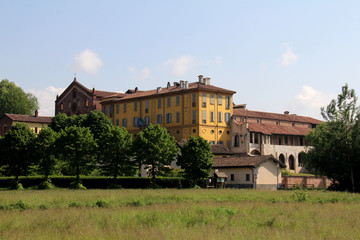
178	214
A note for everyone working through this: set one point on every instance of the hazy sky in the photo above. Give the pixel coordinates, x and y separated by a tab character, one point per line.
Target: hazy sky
277	55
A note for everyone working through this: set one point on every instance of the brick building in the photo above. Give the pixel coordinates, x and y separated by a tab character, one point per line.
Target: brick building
77	99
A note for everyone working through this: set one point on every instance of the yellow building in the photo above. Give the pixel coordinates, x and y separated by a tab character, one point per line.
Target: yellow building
184	108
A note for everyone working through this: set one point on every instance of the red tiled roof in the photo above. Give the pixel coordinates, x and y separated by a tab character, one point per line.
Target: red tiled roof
104	94
220	149
27	118
171	89
239	161
275	116
276	129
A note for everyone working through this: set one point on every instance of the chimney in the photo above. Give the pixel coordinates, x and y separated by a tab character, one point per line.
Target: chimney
136	89
36	113
74	79
182	84
168	85
207	81
200	78
186	84
158	89
286	112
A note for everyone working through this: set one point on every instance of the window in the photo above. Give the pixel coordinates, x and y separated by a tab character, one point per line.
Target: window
194	99
124	107
301	141
236	141
204	100
220	142
228	101
256	138
74	93
159	102
168	118
286	140
247	177
177	100
104	110
111	110
232	177
147	120
212	99
136	122
193	116
36	130
177	117
204	116
146	106
227	118
159	119
220	116
135	106
117	108
124	122
280	140
228	144
117	122
169	101
212	117
220	100
86	103
61	106
212	142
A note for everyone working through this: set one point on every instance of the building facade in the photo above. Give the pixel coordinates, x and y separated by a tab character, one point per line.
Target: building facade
198	109
77	99
281	135
36	123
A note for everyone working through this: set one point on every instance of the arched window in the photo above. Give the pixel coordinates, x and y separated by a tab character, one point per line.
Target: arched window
291	162
255	152
61	106
236	141
282	158
300	160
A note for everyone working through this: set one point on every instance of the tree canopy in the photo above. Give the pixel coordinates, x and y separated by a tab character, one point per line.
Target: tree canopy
155	148
335	143
196	159
14	100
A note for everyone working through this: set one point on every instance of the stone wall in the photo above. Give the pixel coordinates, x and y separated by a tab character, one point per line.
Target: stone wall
305	181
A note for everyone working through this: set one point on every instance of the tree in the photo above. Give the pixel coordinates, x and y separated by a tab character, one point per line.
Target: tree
97	122
335	143
76	147
45	152
14	100
155	148
16	151
114	153
60	122
196	159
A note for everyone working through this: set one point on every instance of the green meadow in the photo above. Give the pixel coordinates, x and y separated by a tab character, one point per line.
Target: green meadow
178	214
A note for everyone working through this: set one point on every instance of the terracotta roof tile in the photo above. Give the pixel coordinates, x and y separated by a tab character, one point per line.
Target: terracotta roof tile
171	89
240	161
275	116
27	118
219	149
276	129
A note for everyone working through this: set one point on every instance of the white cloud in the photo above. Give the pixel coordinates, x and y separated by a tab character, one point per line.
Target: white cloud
309	101
288	58
144	74
181	65
87	61
131	69
46	98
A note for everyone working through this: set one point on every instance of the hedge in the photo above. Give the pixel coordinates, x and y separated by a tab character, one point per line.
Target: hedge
92	182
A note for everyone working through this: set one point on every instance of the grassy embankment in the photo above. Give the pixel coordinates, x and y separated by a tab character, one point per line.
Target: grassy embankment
178	214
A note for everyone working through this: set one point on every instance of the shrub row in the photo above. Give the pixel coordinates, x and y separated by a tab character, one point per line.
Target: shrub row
91	182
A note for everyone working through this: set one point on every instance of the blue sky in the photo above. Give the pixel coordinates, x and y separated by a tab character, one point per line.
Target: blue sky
277	55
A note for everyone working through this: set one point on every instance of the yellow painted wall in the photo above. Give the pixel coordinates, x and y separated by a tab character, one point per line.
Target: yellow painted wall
36	127
211	130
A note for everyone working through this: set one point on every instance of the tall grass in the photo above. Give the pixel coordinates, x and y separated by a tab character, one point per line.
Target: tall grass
178	214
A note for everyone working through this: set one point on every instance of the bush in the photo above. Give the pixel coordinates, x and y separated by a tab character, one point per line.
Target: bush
114	186
77	185
45	185
14	185
102	203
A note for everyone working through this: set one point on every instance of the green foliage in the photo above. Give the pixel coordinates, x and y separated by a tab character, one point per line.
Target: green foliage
76	148
16	151
44	151
114	186
15	185
60	122
45	185
301	195
102	203
285	172
98	123
335	144
196	159
114	153
14	100
155	148
77	185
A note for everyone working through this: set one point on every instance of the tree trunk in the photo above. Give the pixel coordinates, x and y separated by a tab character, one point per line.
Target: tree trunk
352	180
77	173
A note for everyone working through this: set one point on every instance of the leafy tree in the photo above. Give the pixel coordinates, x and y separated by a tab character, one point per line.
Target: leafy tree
14	100
16	151
114	153
45	152
76	147
97	122
60	122
155	148
335	143
196	159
